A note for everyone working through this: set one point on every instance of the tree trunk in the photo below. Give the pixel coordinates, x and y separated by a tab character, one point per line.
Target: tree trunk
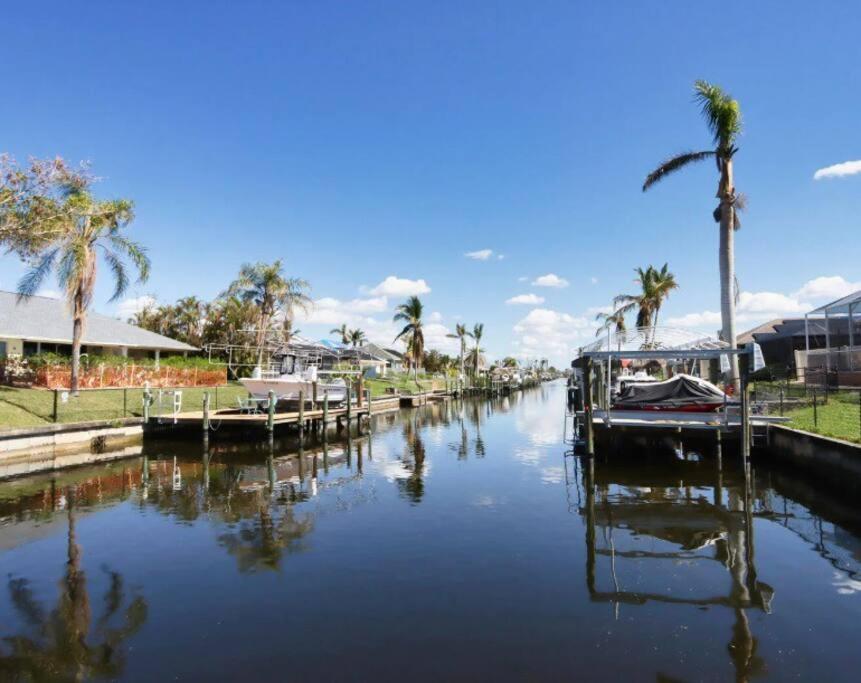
77	334
726	193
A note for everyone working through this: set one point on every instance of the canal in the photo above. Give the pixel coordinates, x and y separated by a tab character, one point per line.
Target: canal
457	542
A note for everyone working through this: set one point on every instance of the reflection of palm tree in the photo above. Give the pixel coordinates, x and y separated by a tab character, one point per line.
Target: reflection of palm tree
413	486
261	542
60	650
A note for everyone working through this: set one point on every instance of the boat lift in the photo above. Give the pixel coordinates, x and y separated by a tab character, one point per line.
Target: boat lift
594	366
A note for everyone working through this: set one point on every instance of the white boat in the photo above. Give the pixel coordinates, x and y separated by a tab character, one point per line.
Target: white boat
287	385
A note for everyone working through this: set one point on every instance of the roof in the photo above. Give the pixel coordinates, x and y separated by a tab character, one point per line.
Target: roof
839	306
379	352
40	318
766	328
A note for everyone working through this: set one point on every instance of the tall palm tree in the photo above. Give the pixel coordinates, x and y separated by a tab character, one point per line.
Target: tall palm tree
723	118
343	332
410	313
461	334
265	286
90	228
189	315
477	334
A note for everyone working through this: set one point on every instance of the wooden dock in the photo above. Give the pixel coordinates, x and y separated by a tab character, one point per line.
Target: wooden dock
302	419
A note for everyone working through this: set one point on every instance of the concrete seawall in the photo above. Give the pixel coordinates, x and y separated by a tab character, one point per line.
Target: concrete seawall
27	451
830	460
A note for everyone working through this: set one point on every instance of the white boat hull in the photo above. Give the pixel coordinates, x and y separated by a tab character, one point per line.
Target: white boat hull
288	389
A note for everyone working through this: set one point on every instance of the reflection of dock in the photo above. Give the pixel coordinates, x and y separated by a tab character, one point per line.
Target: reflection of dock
626	508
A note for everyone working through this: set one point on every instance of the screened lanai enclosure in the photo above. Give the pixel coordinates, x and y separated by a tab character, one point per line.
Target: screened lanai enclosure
838	362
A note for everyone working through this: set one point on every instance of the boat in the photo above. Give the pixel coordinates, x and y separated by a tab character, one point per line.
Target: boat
292	377
681	393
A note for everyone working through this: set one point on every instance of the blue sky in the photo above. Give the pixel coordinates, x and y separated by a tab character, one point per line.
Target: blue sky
360	141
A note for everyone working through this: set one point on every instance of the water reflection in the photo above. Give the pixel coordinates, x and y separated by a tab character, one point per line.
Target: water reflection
67	643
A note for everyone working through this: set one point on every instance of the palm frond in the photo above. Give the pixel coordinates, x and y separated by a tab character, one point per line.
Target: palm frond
404	332
674	164
121	278
721	112
135	252
30	282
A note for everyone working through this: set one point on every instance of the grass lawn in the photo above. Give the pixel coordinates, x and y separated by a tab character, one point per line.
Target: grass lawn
840	418
34	407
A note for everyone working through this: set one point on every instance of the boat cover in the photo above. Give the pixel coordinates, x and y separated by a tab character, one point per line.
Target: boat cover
677	392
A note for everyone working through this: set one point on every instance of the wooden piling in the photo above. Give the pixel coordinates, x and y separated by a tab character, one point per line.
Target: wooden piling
301	411
270	421
587	407
205	421
349	405
745	407
325	409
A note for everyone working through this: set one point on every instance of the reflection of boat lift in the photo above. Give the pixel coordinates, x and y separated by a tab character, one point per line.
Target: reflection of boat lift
692	526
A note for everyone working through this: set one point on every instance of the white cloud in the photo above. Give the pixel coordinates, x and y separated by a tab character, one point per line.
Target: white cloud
827	287
523	279
769	302
396	286
128	307
593	311
480	255
436	337
435	317
550	280
499	257
530	299
593	280
545	332
838	170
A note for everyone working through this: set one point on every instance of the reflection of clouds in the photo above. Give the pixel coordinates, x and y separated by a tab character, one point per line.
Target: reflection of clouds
528	456
552	475
846	585
540	423
485	501
393	469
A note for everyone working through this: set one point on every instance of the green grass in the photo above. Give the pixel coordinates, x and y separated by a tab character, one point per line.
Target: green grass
840	418
34	407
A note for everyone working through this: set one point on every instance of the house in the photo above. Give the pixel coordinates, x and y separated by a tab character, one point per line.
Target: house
782	339
40	324
392	361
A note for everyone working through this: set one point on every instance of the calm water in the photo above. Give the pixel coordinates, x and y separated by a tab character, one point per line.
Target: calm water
459	543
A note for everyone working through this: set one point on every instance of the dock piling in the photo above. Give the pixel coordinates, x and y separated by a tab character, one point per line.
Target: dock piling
270	422
301	411
205	421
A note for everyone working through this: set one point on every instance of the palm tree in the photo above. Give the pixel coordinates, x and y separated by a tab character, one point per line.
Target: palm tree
643	301
655	286
410	313
615	319
90	227
343	332
460	333
477	334
189	315
663	282
723	117
356	338
265	286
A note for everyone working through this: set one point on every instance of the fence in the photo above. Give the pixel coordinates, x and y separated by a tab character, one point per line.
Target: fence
823	407
57	405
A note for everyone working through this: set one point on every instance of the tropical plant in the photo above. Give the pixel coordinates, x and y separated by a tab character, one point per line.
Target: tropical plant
34	202
265	286
477	334
356	338
723	118
410	313
655	287
87	228
616	320
461	334
343	332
